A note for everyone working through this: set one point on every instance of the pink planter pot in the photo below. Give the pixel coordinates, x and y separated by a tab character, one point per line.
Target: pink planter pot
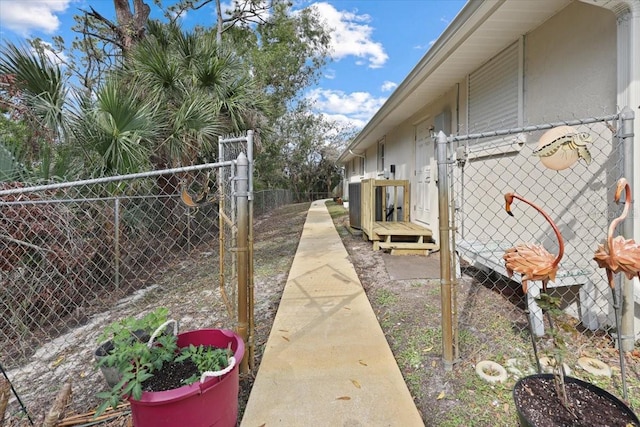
211	403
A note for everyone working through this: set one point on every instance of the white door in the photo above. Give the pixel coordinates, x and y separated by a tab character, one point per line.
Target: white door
424	173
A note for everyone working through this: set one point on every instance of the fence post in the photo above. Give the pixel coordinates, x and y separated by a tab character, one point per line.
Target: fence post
445	255
116	241
242	204
250	266
625	133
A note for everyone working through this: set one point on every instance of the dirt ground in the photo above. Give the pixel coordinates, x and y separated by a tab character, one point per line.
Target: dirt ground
491	325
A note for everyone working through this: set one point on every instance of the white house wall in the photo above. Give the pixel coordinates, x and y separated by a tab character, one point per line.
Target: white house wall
400	151
569	73
570	65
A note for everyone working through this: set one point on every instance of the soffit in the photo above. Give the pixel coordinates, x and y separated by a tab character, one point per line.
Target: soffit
476	38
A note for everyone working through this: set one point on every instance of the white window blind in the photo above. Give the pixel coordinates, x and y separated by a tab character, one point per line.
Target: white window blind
381	155
494	92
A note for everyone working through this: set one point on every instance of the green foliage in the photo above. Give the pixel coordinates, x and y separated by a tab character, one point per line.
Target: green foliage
13	149
206	358
117	128
137	361
200	91
121	332
163	100
39	87
303	150
385	298
132	357
287	53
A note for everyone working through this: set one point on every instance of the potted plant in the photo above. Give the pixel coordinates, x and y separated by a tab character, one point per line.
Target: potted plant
555	399
189	378
125	332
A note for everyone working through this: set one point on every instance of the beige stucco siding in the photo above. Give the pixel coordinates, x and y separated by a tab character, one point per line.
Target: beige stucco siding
570	65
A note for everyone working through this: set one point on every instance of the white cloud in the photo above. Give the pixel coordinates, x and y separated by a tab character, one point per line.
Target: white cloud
330	74
351	35
354	107
388	86
182	17
24	17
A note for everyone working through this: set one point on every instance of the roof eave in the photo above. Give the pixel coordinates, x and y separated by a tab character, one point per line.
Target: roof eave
469	17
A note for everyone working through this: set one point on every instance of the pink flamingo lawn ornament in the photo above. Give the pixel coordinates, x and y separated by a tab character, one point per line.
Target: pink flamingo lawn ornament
619	255
533	261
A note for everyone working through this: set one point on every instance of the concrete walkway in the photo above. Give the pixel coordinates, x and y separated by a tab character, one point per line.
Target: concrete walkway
327	362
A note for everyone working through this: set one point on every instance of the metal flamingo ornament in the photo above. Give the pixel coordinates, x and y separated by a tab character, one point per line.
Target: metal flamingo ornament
533	261
619	255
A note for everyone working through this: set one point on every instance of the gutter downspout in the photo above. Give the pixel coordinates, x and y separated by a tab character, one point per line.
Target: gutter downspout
628	86
629	96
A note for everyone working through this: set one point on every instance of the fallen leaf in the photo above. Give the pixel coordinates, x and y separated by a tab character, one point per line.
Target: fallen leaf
441	395
343	398
57	361
356	383
347	308
434	364
285	338
283	330
362	363
428	349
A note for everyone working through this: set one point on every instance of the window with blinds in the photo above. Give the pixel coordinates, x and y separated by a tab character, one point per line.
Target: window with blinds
494	92
357	166
381	155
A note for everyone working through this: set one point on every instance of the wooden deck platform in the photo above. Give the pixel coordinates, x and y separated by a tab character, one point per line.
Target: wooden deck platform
402	238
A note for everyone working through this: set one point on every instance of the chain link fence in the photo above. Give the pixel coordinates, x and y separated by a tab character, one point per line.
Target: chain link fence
570	170
77	256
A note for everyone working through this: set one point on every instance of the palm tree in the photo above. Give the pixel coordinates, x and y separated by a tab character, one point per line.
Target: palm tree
114	131
174	95
34	91
201	89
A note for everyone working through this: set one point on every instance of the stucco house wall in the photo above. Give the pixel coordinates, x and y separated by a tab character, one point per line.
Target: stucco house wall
570	65
568	69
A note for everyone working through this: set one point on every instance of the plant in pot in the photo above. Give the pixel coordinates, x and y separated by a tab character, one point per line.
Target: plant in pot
126	332
549	400
556	399
189	378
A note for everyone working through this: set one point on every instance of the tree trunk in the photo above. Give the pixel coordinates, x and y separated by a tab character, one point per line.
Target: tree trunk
131	26
219	24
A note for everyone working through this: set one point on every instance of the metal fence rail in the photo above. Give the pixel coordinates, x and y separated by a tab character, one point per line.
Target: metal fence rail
480	168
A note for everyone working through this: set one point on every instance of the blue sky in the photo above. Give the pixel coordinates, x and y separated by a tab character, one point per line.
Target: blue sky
375	43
